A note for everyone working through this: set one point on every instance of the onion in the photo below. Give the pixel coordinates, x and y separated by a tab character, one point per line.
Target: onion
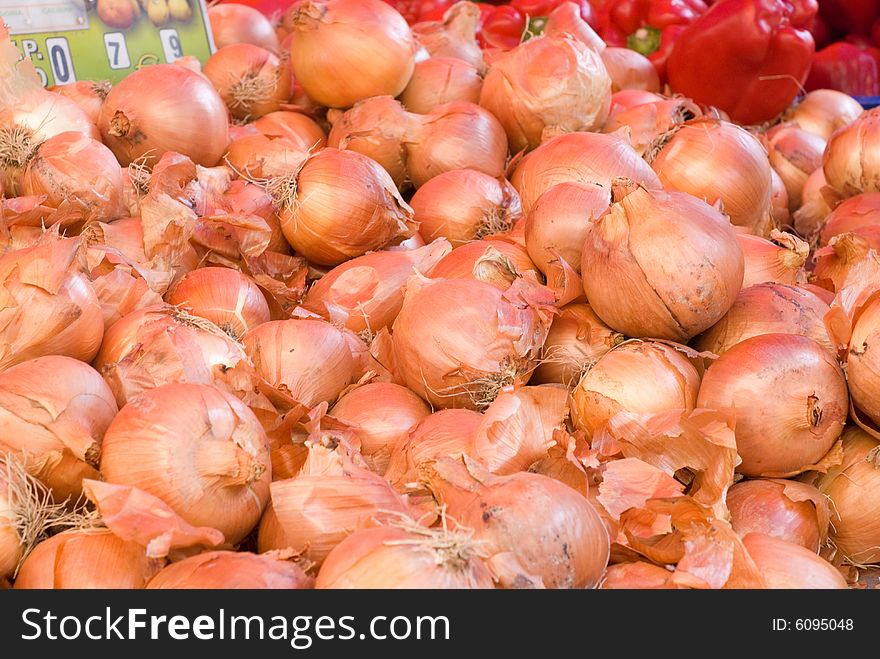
87	558
834	262
860	211
345	51
788	510
850	162
537	531
439	80
251	80
790	399
863	363
822	293
718	160
309	359
245	198
454	36
644	575
231	570
794	154
566	19
661	264
494	261
630	70
458	343
778	200
199	449
463	205
366	293
89	95
853	488
233	23
296	127
787	565
160	344
406	555
808	219
184	113
258	157
577	339
329	224
381	414
546	86
647	122
640	377
780	259
823	111
579	158
627	99
768	309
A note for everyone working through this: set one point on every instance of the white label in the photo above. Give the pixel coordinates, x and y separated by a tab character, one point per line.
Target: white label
58	53
171	44
117	50
44	15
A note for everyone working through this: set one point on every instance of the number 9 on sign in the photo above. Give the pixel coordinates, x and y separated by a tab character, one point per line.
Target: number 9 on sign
60	60
171	44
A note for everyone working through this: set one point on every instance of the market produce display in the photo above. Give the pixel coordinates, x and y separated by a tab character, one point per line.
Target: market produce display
445	295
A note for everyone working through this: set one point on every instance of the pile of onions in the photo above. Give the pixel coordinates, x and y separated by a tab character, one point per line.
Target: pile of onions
786	565
231	570
458	343
577	339
640	377
794	154
496	261
89	95
406	555
780	259
718	160
768	309
537	531
808	219
579	158
629	70
863	362
310	359
228	298
845	250
184	114
851	161
859	212
790	398
233	23
463	205
661	264
455	36
381	414
439	80
344	51
296	127
544	87
646	122
823	111
252	81
366	293
198	449
328	223
785	509
87	558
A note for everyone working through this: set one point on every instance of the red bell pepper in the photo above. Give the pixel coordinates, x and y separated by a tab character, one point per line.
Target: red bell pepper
850	16
746	57
875	32
846	67
502	27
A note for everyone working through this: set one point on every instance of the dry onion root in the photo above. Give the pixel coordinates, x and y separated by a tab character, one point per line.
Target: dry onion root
252	81
779	259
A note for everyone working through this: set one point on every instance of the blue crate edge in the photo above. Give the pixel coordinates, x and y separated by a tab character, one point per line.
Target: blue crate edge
868	102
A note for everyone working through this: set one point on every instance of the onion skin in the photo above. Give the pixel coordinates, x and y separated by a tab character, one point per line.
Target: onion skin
251	80
231	570
768	506
851	162
493	261
794	154
648	122
780	260
790	399
295	126
833	263
787	565
233	23
87	94
455	36
439	80
809	218
857	212
823	111
863	364
629	69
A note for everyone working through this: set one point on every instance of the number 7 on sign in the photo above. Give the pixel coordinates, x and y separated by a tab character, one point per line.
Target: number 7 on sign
117	50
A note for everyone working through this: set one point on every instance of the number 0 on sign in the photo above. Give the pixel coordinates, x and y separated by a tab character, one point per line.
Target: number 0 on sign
64	38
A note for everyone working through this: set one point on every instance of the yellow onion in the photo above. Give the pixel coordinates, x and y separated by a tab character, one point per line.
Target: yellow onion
566	19
626	99
823	111
853	487
86	559
463	205
779	200
822	293
295	126
366	293
251	80
160	344
860	211
229	299
329	224
233	23
381	414
779	259
231	570
629	70
851	162
259	157
555	230
794	154
643	576
577	339
439	80
718	161
863	362
89	95
546	86
537	531
786	565
494	261
458	343
344	51
454	36
641	377
788	510
198	449
844	251
661	264
790	399
646	122
405	555
184	114
310	359
579	158
808	219
768	309
245	198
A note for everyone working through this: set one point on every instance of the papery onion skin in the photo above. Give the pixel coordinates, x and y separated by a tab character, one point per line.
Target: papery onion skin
863	362
642	377
251	80
454	36
493	261
851	162
780	260
857	212
627	99
233	23
259	157
790	398
648	122
629	69
823	111
810	217
795	154
231	570
778	201
787	565
439	80
833	263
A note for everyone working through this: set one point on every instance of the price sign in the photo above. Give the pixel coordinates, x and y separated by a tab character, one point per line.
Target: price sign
70	40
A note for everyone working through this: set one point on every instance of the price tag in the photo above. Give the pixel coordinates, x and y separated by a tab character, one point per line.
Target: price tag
70	40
